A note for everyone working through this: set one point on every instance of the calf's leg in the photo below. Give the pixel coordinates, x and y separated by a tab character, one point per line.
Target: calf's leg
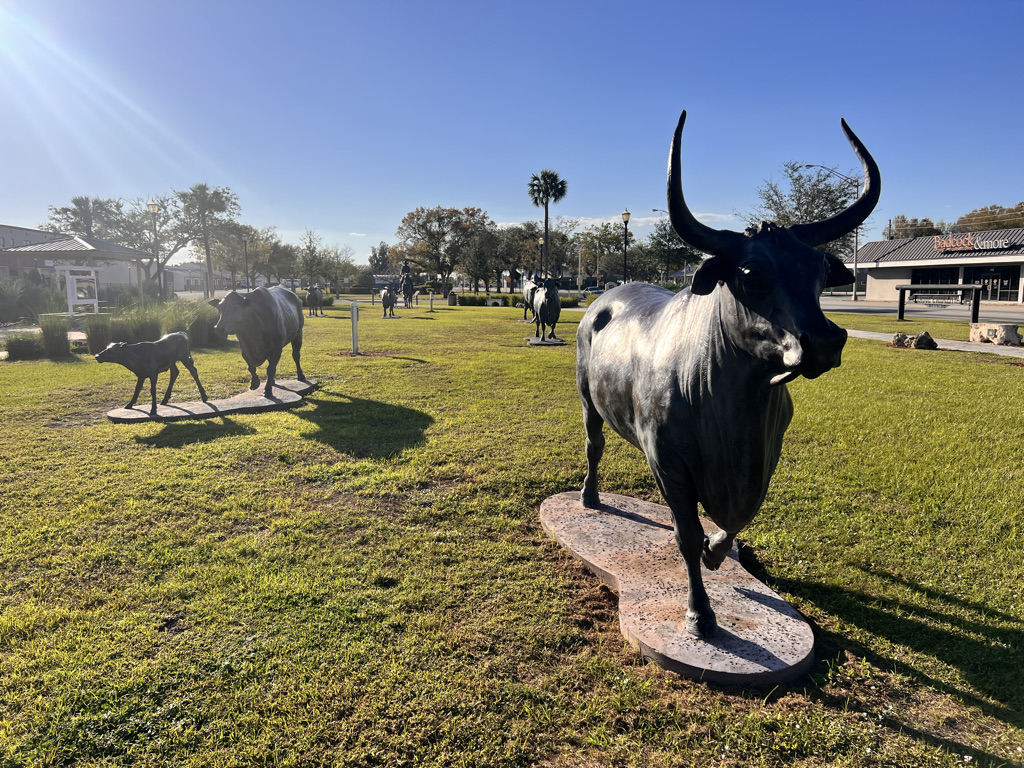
170	384
191	366
138	389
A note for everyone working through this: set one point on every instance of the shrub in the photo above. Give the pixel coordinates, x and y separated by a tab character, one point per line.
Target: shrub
24	345
55	336
97	332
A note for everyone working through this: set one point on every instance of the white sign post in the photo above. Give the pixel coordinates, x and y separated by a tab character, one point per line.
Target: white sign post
354	307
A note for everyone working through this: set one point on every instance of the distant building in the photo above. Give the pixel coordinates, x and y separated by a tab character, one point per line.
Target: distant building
15	265
991	259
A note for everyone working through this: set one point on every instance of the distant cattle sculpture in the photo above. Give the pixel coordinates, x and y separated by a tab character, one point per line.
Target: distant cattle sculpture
315	300
529	289
696	380
264	321
408	289
388	299
148	359
547	306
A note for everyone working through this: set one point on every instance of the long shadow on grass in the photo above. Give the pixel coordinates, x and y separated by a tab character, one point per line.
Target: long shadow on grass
182	433
985	651
363	428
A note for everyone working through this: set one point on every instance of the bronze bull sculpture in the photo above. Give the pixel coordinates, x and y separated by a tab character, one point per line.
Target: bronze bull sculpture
697	380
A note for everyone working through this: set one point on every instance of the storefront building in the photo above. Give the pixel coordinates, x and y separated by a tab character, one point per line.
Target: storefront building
990	259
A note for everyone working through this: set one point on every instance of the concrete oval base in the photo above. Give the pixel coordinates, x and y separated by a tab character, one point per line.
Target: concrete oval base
536	341
630	545
287	394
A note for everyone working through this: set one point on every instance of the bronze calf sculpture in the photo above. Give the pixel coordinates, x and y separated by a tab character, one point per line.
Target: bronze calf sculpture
697	380
148	359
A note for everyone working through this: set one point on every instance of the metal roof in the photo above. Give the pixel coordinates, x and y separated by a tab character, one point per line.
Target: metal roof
79	246
921	250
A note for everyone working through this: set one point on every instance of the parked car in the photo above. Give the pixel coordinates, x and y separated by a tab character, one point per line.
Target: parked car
593	291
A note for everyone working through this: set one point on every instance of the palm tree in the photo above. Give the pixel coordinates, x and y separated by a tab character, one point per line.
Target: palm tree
546	187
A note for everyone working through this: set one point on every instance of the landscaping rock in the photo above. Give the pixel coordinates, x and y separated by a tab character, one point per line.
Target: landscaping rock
992	333
924	341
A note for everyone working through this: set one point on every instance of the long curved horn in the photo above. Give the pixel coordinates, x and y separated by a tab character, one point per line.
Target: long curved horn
846	221
714	241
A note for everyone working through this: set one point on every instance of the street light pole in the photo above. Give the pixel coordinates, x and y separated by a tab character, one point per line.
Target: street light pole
245	253
625	241
856	231
155	209
579	271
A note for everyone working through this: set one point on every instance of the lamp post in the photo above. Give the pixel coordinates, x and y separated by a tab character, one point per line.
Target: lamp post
856	232
155	209
541	256
579	271
245	255
625	240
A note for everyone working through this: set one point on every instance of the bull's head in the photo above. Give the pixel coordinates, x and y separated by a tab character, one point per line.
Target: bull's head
233	310
775	275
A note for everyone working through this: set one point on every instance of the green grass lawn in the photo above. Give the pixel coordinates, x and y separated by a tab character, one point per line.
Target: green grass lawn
363	580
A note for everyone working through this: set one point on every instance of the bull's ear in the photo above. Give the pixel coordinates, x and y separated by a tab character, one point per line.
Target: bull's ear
708	275
838	274
214	303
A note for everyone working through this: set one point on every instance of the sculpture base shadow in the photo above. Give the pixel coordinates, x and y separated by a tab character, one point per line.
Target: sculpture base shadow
287	394
535	341
630	545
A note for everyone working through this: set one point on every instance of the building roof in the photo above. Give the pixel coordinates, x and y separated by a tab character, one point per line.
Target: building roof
990	247
79	246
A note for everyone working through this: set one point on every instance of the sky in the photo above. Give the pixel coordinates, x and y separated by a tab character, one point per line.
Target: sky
342	117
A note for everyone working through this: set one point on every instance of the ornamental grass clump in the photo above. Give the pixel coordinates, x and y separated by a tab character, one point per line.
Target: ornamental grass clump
55	336
97	332
196	318
135	326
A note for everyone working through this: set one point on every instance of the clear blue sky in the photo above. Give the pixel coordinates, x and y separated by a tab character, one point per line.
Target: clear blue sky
344	116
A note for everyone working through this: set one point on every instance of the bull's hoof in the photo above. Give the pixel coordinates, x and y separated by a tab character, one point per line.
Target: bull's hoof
716	548
701	625
205	398
590	499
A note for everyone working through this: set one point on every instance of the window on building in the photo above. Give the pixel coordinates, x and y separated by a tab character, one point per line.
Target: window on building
1000	281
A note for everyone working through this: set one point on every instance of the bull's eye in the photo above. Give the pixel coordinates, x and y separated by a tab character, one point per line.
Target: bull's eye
754	284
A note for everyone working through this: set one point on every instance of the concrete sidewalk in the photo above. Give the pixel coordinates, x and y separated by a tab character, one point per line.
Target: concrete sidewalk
946	344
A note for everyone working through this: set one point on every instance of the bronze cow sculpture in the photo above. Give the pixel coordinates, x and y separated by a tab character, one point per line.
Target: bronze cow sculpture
547	306
264	321
388	299
315	300
530	287
697	380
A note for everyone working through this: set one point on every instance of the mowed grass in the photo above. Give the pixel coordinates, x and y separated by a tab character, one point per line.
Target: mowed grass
363	580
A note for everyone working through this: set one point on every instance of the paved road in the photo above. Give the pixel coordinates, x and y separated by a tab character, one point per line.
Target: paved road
990	312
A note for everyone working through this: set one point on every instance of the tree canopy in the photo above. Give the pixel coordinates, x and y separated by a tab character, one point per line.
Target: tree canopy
805	196
437	239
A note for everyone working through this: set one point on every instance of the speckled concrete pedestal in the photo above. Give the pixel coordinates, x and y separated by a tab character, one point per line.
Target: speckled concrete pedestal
287	394
536	341
630	545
